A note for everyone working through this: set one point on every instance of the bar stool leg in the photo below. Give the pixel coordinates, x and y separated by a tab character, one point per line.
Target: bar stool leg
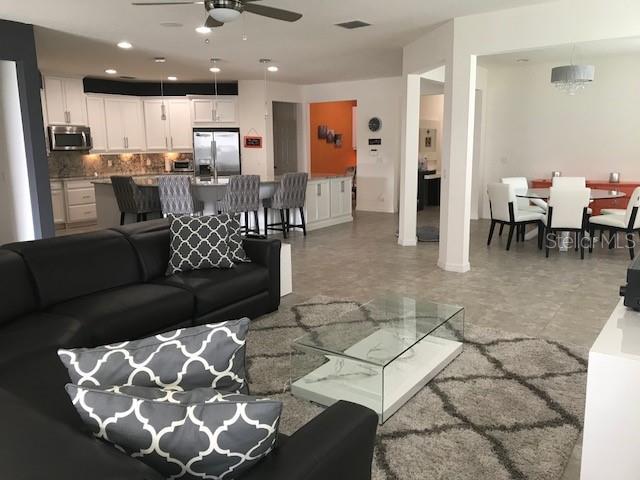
266	222
304	223
284	223
255	218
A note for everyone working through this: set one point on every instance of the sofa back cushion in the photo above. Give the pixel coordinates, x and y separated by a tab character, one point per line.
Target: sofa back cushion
151	243
69	267
17	295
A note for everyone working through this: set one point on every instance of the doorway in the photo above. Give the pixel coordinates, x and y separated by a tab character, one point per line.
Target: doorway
285	137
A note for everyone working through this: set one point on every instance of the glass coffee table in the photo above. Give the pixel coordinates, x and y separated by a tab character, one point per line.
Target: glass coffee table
378	355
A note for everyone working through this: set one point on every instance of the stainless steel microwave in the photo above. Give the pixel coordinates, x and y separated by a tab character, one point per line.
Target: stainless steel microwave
70	138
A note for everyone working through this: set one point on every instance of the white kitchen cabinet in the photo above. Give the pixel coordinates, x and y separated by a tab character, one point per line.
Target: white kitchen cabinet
65	101
125	125
225	111
57	200
318	205
340	197
203	110
180	131
155	126
171	134
80	201
98	123
209	110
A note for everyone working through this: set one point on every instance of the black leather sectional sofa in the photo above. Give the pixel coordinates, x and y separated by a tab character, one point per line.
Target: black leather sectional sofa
109	286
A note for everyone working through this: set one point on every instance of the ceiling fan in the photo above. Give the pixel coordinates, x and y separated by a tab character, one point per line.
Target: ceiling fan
220	12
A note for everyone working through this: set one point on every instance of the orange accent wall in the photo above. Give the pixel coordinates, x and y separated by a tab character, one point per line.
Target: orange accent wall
337	116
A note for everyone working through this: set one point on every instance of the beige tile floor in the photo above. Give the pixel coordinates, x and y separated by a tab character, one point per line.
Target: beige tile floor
562	297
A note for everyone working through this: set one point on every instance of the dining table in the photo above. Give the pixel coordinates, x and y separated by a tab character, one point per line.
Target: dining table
545	193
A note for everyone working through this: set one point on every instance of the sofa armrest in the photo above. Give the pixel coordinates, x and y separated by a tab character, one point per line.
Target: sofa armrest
266	253
337	444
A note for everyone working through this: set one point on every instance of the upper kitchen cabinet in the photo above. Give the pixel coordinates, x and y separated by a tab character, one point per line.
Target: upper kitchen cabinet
125	125
209	110
65	101
97	123
180	131
173	132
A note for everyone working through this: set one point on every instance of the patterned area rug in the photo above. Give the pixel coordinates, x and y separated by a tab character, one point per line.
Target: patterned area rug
509	407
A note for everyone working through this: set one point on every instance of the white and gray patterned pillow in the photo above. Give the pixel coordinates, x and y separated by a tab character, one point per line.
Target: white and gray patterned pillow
210	355
236	252
186	435
198	243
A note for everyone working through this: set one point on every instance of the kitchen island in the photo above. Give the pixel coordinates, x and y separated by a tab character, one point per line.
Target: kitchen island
328	199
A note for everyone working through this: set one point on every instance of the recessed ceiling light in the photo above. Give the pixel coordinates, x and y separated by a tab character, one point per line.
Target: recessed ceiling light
203	30
172	78
159	59
272	68
215	70
125	45
111	71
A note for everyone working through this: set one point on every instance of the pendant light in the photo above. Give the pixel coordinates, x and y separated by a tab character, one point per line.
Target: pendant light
572	78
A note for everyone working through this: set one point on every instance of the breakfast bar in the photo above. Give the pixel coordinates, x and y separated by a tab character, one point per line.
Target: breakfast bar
328	199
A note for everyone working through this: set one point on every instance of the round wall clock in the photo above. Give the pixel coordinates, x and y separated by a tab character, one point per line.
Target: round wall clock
375	124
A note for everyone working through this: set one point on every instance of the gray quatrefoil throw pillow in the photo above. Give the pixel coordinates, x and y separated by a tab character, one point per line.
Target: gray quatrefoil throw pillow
183	435
198	243
210	355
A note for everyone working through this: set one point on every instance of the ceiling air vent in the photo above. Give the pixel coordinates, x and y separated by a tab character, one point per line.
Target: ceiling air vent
353	24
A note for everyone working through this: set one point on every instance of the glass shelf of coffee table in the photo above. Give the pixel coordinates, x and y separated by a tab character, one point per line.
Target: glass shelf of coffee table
378	355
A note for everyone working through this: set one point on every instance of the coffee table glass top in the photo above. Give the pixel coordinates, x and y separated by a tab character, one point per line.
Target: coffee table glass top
400	323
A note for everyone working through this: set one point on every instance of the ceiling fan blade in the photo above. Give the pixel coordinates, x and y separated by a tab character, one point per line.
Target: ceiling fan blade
155	4
212	22
272	12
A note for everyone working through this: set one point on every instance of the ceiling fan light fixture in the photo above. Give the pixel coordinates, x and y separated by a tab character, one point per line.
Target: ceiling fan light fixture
224	15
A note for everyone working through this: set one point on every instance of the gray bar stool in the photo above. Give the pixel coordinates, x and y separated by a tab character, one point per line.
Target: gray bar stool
243	196
176	196
290	193
134	200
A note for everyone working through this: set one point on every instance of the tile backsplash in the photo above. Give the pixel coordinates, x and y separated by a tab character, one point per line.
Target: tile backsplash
74	164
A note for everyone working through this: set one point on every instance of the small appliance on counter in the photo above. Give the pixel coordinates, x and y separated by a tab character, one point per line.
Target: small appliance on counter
70	138
631	291
614	177
216	152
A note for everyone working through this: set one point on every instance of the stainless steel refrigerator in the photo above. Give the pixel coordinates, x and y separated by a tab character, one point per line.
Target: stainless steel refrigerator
216	152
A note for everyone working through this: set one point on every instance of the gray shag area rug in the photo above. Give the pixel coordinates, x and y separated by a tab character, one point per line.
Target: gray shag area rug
509	407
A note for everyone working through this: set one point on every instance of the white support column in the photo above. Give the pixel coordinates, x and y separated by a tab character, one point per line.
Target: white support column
409	163
455	208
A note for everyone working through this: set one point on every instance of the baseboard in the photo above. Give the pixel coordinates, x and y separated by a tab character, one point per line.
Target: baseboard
412	242
455	267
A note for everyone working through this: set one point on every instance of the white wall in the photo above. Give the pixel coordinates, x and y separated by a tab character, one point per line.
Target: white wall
532	129
377	176
16	216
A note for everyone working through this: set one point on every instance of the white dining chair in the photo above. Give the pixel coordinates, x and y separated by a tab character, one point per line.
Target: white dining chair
502	203
571	182
521	184
627	222
567	213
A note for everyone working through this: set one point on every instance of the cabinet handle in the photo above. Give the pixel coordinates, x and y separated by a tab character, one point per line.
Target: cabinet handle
171	143
319	193
84	197
342	186
166	143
